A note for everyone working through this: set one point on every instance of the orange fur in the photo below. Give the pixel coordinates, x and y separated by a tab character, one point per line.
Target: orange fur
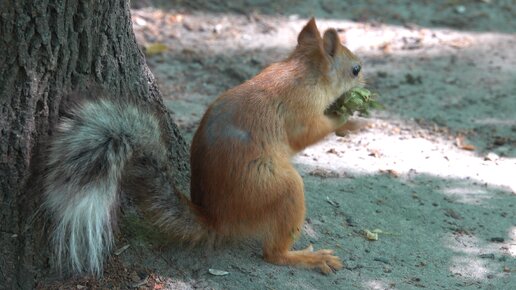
243	181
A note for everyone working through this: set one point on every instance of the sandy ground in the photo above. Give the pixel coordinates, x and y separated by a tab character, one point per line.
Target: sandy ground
434	173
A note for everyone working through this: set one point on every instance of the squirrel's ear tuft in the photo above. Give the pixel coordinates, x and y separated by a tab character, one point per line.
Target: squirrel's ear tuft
331	42
310	34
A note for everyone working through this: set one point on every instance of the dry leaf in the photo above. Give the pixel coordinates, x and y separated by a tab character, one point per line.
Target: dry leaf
334	203
459	141
216	272
375	153
386	47
371	236
155	48
391	172
460	42
121	250
453	214
175	18
333	151
324	173
140	283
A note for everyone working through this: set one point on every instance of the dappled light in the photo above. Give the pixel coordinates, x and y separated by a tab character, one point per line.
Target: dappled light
466	194
512	245
474	258
390	146
338	144
470	268
377	285
471	86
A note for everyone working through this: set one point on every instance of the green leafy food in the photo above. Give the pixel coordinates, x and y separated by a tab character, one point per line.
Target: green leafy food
355	100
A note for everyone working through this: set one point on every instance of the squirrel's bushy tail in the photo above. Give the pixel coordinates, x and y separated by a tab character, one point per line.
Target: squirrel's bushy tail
86	163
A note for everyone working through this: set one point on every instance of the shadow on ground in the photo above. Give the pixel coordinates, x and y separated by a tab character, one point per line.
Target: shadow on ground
436	233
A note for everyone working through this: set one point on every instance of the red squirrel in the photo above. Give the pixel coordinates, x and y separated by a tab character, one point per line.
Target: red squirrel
243	182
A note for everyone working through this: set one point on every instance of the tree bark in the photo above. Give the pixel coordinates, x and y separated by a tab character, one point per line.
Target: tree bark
50	48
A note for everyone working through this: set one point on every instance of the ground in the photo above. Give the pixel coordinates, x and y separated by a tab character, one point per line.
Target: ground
433	174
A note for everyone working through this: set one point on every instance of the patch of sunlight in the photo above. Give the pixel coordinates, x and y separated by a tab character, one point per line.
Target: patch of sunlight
467	195
226	33
362	37
377	150
470	245
512	242
470	268
376	284
468	262
496	122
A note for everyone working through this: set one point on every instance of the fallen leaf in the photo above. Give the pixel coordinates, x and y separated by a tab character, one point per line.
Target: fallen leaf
333	151
386	47
375	153
334	203
453	214
459	141
141	283
371	236
216	272
460	43
155	48
121	250
324	173
391	172
175	18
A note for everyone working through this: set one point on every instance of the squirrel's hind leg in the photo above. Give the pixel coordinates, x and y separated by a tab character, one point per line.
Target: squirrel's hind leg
286	221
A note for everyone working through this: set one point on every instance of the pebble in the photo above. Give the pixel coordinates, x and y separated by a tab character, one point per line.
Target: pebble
487	256
460	9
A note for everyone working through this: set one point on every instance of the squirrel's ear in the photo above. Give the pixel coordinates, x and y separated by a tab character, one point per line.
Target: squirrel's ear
331	42
310	34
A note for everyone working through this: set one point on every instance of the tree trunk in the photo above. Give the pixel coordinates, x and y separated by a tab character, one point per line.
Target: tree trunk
48	50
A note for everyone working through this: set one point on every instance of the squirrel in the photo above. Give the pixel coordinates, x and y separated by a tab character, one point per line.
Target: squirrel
243	183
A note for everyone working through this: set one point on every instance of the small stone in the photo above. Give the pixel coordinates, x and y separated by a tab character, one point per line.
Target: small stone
487	256
387	270
135	277
460	9
491	156
382	259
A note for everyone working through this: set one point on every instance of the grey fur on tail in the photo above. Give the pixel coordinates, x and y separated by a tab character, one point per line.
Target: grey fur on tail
87	159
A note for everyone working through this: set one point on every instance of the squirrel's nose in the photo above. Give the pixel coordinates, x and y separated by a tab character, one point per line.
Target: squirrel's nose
356	69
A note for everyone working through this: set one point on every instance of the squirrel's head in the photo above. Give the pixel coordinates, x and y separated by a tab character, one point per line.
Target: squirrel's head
333	67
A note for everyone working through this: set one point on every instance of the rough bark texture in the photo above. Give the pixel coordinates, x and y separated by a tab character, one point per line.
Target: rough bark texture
48	50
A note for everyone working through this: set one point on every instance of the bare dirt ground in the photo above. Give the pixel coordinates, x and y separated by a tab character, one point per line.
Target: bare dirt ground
434	173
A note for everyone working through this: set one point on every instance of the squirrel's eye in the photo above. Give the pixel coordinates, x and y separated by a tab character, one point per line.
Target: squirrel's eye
356	69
